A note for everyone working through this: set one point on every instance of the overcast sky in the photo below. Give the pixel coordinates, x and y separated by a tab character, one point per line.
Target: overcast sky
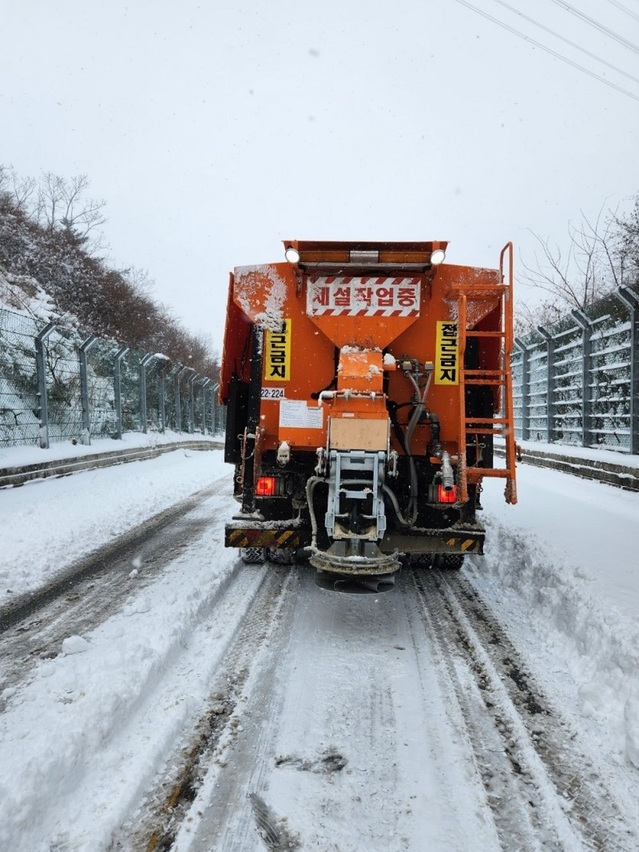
215	129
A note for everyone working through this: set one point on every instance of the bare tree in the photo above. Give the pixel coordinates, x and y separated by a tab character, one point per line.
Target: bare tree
139	279
588	270
20	192
528	318
62	204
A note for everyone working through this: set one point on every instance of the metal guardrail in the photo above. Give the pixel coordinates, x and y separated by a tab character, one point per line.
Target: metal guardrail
18	475
600	470
619	475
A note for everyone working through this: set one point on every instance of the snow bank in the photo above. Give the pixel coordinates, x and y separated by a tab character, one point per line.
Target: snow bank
580	606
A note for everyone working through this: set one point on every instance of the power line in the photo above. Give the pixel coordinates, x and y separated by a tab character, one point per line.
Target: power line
567	41
625	9
549	50
630	45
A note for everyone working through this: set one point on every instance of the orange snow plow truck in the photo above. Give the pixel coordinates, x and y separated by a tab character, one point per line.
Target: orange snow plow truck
365	385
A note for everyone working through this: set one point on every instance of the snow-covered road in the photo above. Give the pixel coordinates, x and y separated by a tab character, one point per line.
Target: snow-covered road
172	698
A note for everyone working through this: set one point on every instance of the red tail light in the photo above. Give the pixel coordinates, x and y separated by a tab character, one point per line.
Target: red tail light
444	496
265	486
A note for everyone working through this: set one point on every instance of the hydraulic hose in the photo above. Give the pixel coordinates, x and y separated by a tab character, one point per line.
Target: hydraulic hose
448	477
310	488
393	498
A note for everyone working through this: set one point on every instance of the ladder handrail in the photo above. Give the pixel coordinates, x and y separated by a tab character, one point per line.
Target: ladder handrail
499	378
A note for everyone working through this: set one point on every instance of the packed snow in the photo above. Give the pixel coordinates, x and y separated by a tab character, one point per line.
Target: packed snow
50	523
86	731
249	293
22	294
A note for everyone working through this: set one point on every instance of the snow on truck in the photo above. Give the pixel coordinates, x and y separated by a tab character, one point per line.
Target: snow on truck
365	384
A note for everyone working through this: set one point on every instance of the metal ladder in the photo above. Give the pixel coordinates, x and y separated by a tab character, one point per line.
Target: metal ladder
498	379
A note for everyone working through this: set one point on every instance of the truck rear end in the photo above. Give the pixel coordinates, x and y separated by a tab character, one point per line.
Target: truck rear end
365	385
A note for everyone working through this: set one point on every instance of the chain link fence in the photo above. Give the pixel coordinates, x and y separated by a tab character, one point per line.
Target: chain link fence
577	382
57	384
18	386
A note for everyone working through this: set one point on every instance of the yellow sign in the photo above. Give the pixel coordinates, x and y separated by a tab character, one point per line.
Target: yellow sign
277	354
447	358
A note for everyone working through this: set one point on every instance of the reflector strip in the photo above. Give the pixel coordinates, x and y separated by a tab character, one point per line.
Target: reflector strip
262	538
465	545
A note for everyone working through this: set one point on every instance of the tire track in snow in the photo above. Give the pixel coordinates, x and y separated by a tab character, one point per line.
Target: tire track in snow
116	736
97	586
543	793
218	726
346	745
103	559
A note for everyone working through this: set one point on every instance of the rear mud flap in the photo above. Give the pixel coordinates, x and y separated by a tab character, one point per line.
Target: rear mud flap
451	540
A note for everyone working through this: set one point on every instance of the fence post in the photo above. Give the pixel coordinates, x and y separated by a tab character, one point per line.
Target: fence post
631	300
586	364
145	360
178	401
190	382
117	389
162	393
550	383
214	407
204	385
85	438
43	408
525	389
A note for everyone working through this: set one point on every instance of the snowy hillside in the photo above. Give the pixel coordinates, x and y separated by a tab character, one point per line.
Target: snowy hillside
22	294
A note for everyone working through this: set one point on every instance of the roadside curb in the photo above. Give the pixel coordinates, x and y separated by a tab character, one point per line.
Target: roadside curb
620	475
18	475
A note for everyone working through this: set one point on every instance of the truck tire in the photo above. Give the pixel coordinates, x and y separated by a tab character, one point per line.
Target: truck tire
420	560
281	555
253	555
449	561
